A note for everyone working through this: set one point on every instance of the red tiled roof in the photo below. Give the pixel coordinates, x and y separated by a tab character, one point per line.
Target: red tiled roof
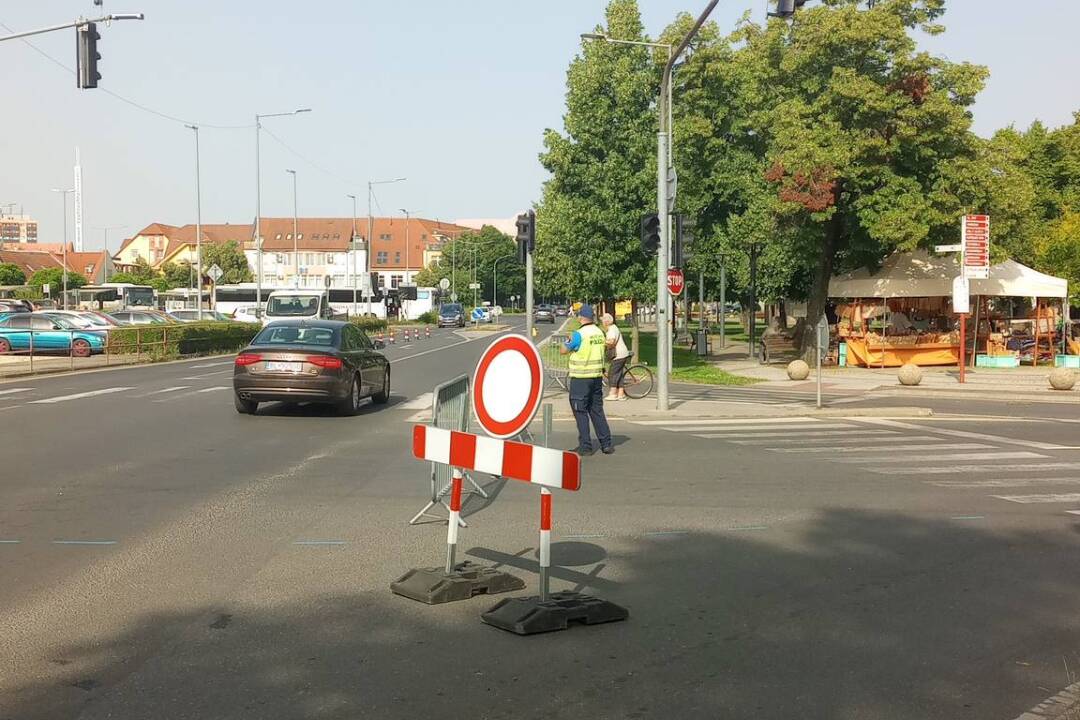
86	263
29	262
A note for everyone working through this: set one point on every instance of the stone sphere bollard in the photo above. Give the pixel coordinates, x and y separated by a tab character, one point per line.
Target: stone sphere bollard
1062	378
798	370
910	375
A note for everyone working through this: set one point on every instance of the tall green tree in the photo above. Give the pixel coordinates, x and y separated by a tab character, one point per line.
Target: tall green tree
230	258
603	169
486	246
11	274
861	131
140	274
178	275
54	278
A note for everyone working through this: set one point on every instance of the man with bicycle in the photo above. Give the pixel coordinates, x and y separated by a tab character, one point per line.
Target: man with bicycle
586	348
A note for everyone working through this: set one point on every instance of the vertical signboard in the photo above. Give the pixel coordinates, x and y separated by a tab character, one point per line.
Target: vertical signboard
975	237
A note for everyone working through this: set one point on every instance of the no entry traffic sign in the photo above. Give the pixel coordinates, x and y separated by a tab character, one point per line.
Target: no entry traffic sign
507	386
675	282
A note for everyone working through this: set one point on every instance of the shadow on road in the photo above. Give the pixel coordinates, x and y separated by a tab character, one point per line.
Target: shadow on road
860	615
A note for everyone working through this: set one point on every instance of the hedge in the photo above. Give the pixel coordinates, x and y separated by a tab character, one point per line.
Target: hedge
168	341
369	324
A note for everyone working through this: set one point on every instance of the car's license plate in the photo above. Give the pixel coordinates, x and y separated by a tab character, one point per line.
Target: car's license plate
283	367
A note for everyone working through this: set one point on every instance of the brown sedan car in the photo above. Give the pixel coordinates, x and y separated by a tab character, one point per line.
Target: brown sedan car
322	361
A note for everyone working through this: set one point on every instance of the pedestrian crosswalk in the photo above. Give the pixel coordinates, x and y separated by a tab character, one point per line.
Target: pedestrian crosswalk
748	395
1000	468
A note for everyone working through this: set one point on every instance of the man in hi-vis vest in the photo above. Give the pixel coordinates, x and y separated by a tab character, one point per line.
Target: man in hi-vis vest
586	350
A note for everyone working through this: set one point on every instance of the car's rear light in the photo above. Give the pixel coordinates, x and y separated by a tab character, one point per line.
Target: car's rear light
247	359
325	361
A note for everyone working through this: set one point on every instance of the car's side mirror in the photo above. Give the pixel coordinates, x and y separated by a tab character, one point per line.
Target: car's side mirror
380	344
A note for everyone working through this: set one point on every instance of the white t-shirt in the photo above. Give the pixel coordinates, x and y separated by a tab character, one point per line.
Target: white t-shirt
613	333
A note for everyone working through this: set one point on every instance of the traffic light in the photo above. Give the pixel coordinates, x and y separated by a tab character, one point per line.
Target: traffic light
684	240
87	56
650	234
787	8
526	235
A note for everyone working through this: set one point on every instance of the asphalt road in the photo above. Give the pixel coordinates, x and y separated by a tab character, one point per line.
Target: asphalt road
163	556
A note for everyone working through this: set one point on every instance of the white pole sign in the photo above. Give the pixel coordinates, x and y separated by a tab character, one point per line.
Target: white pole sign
961	303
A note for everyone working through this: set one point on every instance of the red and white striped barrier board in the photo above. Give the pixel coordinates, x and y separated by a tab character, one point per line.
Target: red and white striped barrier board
508	459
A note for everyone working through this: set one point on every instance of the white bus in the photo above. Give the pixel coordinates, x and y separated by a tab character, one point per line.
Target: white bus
230	298
114	296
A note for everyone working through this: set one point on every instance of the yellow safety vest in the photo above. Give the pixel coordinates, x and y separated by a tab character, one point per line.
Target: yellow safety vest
588	360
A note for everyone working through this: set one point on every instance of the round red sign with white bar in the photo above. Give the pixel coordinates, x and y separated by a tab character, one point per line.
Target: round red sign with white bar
507	386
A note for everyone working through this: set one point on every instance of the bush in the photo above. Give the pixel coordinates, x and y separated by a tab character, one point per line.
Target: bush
369	324
429	318
163	342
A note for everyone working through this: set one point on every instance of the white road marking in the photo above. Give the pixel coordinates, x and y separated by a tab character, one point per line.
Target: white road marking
897	456
213	364
194	392
798	440
1002	482
212	389
79	396
749	428
965	434
420	402
164	390
821	433
1047	498
735	421
906	447
12	391
206	375
446	347
957	469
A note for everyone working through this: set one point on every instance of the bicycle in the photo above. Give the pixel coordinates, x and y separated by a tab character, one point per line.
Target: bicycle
637	380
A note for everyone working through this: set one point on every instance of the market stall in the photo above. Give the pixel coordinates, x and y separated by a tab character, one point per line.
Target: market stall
903	313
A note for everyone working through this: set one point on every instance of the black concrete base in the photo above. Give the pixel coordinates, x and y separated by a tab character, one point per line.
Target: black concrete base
527	616
434	586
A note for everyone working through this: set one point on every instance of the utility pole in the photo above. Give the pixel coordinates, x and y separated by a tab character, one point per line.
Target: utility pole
295	235
753	299
371	229
64	193
723	304
198	219
407	264
352	250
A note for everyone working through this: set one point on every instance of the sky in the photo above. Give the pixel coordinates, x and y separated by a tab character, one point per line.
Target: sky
453	96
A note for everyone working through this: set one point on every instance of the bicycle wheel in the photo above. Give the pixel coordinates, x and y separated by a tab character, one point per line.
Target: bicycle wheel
637	381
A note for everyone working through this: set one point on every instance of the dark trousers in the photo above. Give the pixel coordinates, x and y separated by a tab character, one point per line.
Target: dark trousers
587	402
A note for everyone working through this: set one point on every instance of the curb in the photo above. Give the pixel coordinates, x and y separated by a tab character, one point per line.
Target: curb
1000	396
1055	707
62	372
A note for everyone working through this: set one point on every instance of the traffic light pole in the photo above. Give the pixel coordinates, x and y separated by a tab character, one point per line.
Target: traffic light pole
529	295
78	23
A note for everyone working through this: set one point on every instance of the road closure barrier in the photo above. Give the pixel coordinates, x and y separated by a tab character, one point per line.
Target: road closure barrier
509	360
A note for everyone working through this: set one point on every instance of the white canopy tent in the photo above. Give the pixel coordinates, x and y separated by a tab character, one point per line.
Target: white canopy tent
920	274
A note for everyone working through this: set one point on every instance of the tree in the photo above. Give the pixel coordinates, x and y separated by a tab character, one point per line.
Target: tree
54	278
178	275
11	274
140	274
230	258
456	264
1059	251
862	134
603	170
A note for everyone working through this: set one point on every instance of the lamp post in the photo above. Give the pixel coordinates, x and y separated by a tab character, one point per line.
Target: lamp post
105	245
406	212
371	226
258	205
198	218
352	252
295	235
64	193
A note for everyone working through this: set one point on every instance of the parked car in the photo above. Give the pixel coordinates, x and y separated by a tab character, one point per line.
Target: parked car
247	315
83	319
140	317
544	313
485	314
21	331
452	315
311	360
15	306
188	316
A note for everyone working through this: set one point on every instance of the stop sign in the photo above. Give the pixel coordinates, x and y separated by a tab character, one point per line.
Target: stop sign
675	282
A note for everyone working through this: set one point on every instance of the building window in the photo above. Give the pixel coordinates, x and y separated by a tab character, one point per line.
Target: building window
397	258
300	236
288	236
278	236
382	280
385	236
280	258
395	281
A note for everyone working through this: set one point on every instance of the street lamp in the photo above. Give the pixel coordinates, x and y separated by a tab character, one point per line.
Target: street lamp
65	194
105	244
406	212
295	236
371	226
352	251
198	218
258	205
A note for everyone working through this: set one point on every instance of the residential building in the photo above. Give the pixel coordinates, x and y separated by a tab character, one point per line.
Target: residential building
507	226
96	265
325	257
159	243
18	229
29	261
